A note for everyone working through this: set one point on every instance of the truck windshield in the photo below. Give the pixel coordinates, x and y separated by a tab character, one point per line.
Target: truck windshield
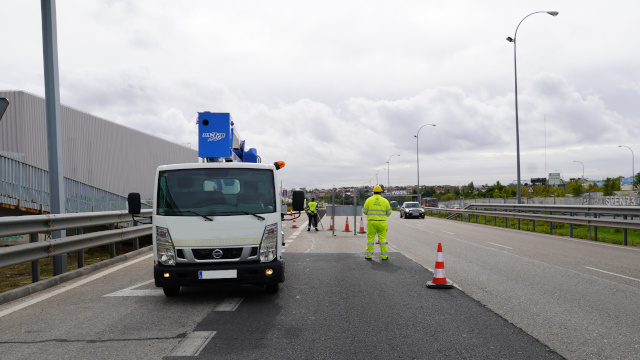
222	192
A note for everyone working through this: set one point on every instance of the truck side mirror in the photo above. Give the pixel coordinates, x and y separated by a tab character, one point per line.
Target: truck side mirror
297	200
134	204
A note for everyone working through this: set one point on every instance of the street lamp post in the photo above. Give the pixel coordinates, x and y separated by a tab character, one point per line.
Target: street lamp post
633	165
515	71
377	182
582	168
418	160
388	167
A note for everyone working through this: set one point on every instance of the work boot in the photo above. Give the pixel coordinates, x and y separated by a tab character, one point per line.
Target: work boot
308	229
316	229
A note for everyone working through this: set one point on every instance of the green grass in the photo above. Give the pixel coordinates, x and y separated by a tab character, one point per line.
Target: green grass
605	234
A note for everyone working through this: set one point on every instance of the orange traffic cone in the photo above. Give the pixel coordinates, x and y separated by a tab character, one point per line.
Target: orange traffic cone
331	224
294	226
361	231
439	278
346	226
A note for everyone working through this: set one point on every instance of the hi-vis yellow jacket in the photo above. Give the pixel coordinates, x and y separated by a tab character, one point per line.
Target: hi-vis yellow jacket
312	207
376	208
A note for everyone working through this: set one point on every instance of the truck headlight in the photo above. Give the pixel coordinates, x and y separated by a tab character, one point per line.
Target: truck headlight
164	247
269	243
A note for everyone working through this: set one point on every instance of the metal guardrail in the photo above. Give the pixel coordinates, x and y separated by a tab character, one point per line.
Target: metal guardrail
588	209
35	224
586	215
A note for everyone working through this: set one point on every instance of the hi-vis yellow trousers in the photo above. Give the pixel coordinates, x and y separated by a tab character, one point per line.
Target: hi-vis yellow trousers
379	228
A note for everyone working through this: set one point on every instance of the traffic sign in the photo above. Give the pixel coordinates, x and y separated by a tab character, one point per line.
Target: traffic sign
4	104
530	189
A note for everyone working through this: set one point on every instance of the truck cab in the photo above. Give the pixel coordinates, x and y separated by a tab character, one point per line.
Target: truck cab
216	222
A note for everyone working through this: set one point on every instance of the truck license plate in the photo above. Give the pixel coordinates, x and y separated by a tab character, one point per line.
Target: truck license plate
218	274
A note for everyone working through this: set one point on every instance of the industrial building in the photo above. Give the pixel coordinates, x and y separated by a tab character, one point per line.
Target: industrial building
102	161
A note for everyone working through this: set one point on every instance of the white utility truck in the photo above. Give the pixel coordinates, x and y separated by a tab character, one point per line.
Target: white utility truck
218	221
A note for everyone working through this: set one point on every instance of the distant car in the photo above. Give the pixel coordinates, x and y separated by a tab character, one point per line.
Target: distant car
456	207
411	209
441	206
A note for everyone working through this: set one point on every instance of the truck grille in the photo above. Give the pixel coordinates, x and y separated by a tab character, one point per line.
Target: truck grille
227	253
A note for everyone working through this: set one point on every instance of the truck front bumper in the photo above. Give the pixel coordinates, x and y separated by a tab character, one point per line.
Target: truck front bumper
189	274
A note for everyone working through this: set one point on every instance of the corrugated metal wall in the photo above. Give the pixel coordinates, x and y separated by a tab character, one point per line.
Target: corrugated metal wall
26	188
96	152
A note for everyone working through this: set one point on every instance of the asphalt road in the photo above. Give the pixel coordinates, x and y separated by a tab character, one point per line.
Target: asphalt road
520	295
581	298
338	306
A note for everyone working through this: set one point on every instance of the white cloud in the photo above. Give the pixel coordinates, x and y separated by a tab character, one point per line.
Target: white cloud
335	88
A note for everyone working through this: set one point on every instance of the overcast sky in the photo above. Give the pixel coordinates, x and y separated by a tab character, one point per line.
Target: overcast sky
335	88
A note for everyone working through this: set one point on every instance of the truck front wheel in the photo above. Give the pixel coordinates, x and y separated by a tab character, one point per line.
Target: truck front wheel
171	290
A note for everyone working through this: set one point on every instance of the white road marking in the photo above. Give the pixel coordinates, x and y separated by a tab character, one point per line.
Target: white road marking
313	245
610	273
131	292
447	232
302	227
228	304
295	234
499	245
193	344
72	286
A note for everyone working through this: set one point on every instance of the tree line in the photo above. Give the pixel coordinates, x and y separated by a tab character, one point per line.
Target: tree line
574	188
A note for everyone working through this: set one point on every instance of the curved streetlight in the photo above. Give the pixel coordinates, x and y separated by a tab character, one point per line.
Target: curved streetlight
388	166
633	165
515	70
582	168
377	182
418	160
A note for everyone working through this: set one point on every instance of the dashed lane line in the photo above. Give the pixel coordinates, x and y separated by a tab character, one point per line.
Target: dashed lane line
295	234
228	304
193	344
130	291
499	245
610	273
